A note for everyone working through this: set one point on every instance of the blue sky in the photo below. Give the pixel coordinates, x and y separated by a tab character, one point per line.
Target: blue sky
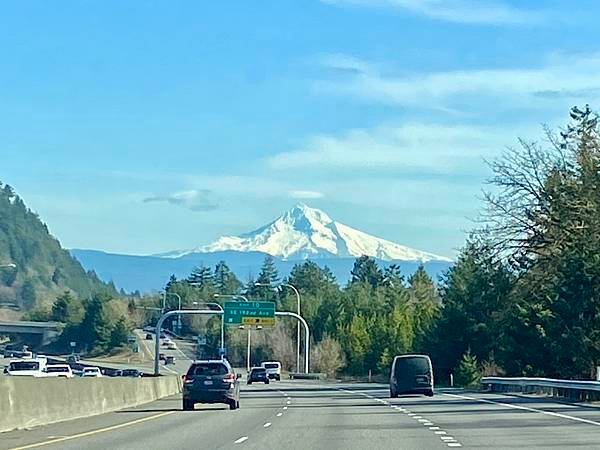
142	127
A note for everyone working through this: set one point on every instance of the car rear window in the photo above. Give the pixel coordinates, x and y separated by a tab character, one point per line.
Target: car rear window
208	369
24	365
271	366
261	370
415	364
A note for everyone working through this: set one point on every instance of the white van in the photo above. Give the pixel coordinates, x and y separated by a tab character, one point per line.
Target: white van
273	369
31	367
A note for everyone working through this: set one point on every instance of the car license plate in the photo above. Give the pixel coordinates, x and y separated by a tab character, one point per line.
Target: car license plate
208	382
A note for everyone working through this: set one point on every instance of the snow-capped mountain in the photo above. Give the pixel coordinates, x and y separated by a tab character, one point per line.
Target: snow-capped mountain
304	232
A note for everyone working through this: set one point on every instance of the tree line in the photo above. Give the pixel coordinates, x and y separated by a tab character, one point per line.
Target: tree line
522	299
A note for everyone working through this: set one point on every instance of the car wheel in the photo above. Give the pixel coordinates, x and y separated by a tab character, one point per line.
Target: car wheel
429	393
249	382
393	394
267	382
188	405
233	404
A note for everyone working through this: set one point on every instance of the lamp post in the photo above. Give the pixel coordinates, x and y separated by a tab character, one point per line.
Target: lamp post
292	287
8	266
179	308
219	308
243	297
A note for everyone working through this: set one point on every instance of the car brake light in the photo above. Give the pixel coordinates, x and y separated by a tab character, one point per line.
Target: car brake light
187	380
229	378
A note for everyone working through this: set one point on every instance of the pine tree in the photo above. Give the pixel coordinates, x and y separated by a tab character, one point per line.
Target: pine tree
268	276
67	309
225	280
468	373
201	277
119	333
365	270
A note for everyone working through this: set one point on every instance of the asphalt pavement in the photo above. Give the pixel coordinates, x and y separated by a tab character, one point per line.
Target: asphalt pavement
307	415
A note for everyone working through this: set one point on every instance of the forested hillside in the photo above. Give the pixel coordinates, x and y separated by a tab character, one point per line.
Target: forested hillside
43	268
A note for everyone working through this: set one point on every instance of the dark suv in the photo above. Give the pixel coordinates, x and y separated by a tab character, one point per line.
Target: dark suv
258	374
211	382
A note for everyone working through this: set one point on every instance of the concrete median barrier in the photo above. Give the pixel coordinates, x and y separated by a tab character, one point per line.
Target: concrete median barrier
27	402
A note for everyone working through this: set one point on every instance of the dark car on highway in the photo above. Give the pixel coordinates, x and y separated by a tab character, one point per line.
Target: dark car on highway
131	373
211	381
258	374
411	374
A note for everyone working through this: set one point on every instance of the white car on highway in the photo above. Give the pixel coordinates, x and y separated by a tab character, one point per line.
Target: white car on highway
91	372
273	369
31	367
58	371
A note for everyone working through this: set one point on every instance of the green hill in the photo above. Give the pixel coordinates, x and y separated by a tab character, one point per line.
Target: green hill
43	268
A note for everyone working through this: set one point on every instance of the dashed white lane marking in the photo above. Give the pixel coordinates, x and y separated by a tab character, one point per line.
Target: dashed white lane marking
279	414
289	402
448	440
285	408
242	439
525	408
267	425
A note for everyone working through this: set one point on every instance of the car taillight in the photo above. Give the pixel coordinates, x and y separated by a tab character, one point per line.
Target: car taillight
229	378
188	380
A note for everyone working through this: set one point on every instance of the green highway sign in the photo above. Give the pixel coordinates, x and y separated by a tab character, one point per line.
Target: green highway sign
249	313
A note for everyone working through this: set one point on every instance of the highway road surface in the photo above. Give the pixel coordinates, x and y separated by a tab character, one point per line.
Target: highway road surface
303	415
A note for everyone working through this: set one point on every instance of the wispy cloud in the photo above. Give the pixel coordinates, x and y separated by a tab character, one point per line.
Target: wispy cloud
418	146
306	195
459	11
563	77
195	200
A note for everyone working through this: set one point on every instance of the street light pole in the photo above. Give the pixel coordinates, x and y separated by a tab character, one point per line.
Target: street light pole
179	308
220	308
292	287
8	266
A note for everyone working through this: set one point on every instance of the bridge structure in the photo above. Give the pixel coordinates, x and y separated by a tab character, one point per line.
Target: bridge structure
47	331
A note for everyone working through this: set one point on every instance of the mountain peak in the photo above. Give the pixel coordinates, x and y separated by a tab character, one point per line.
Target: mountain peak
304	232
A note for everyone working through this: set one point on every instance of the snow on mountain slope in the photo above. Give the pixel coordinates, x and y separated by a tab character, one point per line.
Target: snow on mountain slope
304	232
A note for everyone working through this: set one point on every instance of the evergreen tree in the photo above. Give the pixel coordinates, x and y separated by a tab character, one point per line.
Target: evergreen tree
95	329
268	276
468	373
225	280
119	333
67	309
365	270
201	278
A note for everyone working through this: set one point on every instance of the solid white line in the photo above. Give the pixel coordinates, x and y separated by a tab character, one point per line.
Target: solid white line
91	433
279	414
525	408
242	439
267	425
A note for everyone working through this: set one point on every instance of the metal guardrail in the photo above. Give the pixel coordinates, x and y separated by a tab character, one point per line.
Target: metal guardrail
572	389
542	382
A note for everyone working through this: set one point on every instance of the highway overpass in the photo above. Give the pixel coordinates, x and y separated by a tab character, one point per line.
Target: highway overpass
47	331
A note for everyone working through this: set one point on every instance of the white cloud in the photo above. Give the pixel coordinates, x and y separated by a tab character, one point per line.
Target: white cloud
195	200
459	11
306	195
565	78
413	146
